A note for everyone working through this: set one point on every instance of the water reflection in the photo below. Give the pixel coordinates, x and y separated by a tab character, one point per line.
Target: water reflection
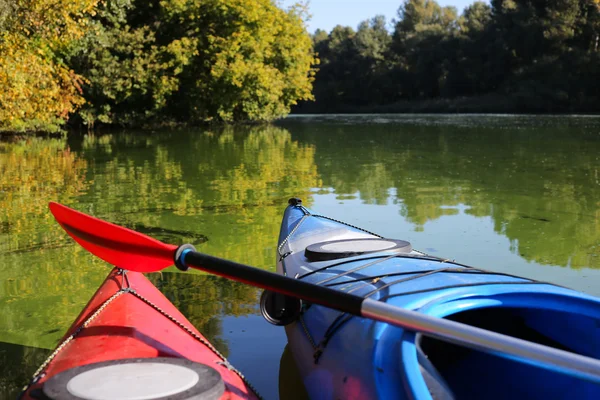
32	171
532	182
290	381
205	300
17	363
539	181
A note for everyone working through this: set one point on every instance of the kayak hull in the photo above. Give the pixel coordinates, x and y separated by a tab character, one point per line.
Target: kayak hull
128	318
340	356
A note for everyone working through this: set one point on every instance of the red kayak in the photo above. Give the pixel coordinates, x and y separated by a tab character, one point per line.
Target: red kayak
130	343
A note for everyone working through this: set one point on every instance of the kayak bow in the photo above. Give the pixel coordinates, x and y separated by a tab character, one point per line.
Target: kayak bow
130	342
342	356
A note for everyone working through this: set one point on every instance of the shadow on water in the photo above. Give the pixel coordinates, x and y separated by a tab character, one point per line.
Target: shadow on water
17	365
290	381
172	236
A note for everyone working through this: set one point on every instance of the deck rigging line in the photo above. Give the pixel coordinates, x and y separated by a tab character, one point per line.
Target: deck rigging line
341	319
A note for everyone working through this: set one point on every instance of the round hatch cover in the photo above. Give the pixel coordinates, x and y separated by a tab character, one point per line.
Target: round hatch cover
137	379
335	249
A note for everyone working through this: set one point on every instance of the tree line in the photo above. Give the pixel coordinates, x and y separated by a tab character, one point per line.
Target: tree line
506	55
132	62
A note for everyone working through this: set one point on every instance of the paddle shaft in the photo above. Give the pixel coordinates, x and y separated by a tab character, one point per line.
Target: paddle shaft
442	329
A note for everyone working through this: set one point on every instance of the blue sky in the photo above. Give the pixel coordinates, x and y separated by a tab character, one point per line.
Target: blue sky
328	13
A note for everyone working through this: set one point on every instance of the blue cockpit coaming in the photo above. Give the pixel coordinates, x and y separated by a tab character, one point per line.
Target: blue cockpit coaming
397	374
553	315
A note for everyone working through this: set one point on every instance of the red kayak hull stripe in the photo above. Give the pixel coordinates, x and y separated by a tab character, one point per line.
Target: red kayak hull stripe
129	327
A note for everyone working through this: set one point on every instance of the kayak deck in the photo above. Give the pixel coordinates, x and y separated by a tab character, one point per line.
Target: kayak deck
348	357
129	319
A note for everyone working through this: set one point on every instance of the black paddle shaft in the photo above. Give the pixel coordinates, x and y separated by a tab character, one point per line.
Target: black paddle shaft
268	280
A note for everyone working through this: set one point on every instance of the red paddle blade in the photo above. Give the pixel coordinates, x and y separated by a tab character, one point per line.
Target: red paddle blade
114	244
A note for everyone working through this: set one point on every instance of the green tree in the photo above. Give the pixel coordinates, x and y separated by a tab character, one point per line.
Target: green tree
475	18
524	55
136	62
319	36
539	48
372	39
131	69
416	16
216	60
372	42
424	47
255	60
345	54
469	74
338	68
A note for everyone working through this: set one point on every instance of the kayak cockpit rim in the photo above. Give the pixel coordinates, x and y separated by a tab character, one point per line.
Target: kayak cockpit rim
535	316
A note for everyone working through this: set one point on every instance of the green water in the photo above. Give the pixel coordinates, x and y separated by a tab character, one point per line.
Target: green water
517	194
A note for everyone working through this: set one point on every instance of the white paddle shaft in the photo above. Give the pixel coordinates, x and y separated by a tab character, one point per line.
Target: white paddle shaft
483	340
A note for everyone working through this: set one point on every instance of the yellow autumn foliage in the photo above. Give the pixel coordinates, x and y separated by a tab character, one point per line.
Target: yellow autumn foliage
32	173
38	90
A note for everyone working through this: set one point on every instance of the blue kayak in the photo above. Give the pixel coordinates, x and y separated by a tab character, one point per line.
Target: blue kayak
344	357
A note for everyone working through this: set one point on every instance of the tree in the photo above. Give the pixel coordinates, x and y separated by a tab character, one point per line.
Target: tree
254	60
39	91
216	60
319	36
475	18
132	68
470	72
373	39
138	62
534	29
538	45
338	68
372	43
422	46
425	15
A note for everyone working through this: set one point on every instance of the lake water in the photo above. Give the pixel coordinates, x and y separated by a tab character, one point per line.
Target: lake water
518	194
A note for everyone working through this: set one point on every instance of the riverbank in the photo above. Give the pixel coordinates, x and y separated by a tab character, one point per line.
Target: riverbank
484	104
